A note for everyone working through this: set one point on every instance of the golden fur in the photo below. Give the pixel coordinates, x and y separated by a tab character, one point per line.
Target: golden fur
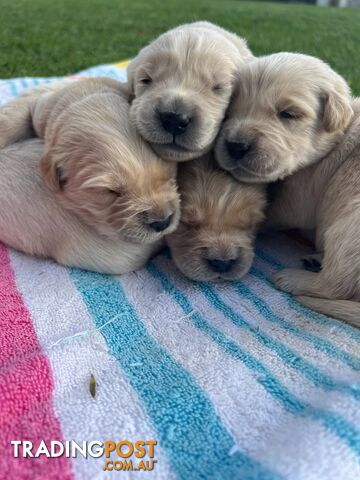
94	161
317	141
287	112
33	221
219	218
188	71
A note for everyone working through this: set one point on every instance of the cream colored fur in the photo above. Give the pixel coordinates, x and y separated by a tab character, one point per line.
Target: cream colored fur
188	70
318	141
219	219
326	197
33	221
289	110
94	161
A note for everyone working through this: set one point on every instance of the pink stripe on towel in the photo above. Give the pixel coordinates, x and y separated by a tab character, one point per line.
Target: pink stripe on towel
26	387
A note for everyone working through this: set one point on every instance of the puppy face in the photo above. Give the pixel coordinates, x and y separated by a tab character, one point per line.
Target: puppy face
181	85
287	111
219	217
115	184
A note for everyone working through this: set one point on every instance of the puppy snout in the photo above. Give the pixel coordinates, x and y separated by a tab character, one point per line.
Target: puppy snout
218	265
237	150
161	224
174	123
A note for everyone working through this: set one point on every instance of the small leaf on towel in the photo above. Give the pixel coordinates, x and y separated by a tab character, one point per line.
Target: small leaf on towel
92	386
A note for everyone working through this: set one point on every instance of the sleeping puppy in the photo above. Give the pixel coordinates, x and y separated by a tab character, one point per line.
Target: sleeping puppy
94	161
219	219
293	113
34	222
181	84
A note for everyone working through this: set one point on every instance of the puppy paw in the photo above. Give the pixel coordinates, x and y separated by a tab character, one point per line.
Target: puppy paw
312	263
285	280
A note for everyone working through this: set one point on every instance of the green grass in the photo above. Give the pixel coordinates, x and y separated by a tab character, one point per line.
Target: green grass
56	37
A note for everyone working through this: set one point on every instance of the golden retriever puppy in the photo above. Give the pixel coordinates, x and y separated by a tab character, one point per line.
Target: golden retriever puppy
181	84
219	219
94	161
293	113
287	112
33	221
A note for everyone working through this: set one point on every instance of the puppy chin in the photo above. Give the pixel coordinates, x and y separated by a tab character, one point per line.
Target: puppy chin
141	236
251	177
196	269
174	153
243	174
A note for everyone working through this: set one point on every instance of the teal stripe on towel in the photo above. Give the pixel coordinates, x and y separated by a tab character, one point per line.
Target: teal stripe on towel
189	430
24	82
354	333
289	357
13	87
319	343
332	421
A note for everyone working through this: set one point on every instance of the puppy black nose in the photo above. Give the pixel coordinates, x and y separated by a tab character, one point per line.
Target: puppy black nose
221	266
174	123
161	225
237	150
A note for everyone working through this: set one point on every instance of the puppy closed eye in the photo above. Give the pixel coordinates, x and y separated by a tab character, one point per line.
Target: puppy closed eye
60	177
289	115
115	193
146	80
220	88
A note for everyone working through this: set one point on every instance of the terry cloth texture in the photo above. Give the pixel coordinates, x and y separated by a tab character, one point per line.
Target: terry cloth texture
234	382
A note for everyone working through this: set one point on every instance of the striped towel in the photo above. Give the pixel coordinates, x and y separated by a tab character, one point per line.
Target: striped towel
233	382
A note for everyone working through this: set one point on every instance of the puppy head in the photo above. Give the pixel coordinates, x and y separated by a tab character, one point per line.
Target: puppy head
288	109
181	85
219	218
114	183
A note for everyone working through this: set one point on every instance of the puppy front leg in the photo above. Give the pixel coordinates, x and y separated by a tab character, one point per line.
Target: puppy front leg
299	282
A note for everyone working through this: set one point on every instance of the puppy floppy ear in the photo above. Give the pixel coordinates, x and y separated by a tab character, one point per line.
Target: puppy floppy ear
337	107
52	172
126	91
130	84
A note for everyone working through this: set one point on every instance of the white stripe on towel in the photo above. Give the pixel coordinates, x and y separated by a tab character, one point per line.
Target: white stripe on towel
305	390
116	413
250	414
